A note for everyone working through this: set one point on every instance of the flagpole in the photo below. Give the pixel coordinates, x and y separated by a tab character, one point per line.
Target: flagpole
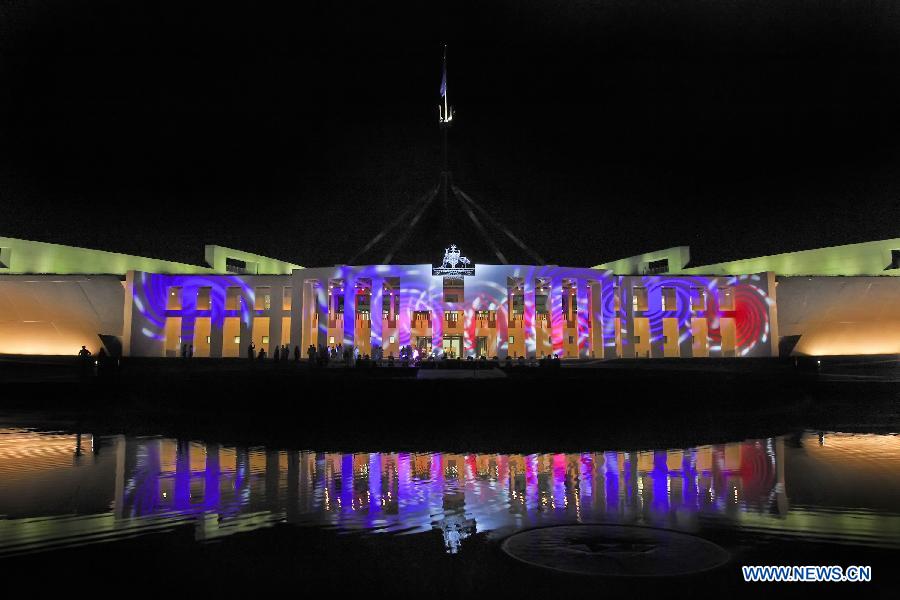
445	123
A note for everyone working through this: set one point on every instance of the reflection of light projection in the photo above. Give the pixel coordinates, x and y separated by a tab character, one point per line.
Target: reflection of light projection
224	490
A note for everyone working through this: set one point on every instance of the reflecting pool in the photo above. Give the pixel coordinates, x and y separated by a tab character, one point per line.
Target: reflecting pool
63	489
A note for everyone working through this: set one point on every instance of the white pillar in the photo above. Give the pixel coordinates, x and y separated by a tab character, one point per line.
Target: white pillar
376	312
583	317
276	313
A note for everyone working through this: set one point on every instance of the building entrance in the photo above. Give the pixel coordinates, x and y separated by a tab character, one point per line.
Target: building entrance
452	345
481	346
423	345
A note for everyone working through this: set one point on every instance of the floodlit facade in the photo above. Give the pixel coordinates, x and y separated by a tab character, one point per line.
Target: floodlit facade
54	299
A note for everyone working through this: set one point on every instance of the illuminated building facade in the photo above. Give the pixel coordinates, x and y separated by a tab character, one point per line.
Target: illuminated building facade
636	309
500	311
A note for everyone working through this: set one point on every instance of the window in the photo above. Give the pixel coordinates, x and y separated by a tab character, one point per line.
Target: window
233	298
5	260
173	298
263	298
617	299
331	339
698	298
454	289
235	265
286	298
391	340
726	298
895	260
571	339
237	339
540	304
452	316
658	266
512	339
669	299
265	339
639	298
208	339
518	303
203	298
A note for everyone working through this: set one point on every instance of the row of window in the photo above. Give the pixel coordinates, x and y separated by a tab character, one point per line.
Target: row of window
639	301
669	299
174	300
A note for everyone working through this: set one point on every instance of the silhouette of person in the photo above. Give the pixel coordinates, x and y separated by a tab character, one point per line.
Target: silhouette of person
251	351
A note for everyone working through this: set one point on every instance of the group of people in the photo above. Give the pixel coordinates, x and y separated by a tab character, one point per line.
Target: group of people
279	353
106	365
350	355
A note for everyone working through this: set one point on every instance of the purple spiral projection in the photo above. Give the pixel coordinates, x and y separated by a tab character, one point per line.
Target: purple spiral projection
489	291
151	295
459	494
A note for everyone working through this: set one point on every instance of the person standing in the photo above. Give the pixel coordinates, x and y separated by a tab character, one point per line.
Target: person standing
251	351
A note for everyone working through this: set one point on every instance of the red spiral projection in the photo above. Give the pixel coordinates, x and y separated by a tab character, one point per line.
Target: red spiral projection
757	470
751	316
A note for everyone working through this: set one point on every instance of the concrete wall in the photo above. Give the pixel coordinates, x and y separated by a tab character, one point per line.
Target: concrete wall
25	256
678	257
840	315
216	257
868	258
57	314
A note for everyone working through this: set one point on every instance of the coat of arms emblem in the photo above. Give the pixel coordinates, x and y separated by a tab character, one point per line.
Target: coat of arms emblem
454	263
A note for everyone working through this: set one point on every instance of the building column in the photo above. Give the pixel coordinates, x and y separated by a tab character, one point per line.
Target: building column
437	322
584	318
216	320
298	314
598	322
376	314
276	314
626	301
683	313
655	318
503	310
557	319
350	300
188	314
403	319
248	311
320	295
528	317
607	302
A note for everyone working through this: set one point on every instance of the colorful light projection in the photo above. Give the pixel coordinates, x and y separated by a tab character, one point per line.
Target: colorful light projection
151	296
458	494
152	484
489	291
750	311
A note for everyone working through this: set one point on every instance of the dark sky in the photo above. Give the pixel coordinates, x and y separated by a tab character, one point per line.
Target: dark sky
595	129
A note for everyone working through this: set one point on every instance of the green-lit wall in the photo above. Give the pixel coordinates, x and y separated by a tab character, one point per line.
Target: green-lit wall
28	257
867	258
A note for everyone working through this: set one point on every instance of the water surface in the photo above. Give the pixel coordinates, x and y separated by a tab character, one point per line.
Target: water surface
64	489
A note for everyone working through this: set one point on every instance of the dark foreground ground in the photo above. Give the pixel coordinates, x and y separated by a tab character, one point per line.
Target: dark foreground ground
639	405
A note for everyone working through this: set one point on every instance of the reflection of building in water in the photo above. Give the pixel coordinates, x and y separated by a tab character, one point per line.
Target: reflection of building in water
128	486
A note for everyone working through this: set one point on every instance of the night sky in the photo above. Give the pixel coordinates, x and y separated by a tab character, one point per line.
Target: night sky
595	129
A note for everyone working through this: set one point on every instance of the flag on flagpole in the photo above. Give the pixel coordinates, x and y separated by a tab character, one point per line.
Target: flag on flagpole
444	75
